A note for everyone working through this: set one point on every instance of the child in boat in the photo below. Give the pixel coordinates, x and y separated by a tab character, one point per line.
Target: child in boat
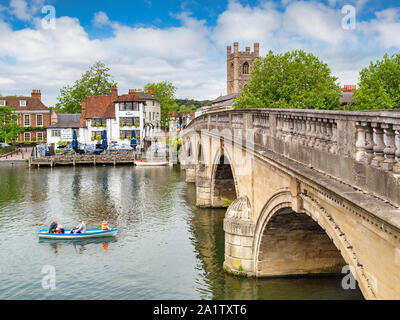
60	229
104	226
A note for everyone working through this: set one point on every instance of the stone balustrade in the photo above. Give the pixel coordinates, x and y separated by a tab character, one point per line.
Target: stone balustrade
361	148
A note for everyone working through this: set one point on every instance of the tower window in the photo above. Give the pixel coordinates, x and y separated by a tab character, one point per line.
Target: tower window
245	68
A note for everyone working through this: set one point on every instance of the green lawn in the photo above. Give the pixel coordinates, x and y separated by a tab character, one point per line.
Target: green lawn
6	150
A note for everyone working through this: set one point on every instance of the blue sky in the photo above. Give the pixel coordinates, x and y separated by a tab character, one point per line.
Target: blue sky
181	41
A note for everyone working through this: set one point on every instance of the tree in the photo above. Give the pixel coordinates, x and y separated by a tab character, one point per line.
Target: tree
379	86
165	92
296	79
94	82
9	127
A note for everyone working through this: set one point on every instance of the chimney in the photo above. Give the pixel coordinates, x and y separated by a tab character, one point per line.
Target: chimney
132	91
53	116
36	94
150	91
83	114
114	91
349	87
257	49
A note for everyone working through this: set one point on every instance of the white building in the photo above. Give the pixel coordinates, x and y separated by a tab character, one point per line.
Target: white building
120	115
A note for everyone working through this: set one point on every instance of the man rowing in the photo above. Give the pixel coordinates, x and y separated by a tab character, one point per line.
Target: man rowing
80	228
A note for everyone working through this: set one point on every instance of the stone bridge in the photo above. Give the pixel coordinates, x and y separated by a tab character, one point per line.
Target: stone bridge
309	191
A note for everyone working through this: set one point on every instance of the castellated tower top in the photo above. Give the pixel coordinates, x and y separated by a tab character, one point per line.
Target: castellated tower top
239	66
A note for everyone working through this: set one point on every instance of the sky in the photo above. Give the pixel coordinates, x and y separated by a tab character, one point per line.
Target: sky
183	42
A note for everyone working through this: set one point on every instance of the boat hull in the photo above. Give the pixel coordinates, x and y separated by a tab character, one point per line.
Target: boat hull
89	234
151	163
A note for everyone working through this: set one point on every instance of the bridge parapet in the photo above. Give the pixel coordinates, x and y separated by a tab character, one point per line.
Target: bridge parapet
362	148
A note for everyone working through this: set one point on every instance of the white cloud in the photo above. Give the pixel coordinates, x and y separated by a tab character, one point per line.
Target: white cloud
101	19
192	55
24	11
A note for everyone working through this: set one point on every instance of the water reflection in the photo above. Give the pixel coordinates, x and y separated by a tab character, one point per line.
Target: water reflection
78	245
166	247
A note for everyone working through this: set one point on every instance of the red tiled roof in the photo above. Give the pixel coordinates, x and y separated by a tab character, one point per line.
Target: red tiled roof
98	107
32	104
128	98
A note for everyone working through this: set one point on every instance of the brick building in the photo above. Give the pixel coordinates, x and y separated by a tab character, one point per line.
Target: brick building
33	114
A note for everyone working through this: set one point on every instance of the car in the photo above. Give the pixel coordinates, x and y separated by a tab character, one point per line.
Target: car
4	144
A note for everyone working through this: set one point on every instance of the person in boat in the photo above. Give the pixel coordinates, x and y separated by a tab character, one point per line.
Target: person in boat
80	228
104	226
53	226
60	229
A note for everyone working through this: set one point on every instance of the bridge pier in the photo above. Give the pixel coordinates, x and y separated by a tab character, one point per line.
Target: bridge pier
190	173
239	238
203	186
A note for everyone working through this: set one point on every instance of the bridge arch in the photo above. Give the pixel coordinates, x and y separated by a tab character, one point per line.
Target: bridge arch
223	179
287	242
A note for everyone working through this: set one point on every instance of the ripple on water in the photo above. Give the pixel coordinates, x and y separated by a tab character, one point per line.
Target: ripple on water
166	248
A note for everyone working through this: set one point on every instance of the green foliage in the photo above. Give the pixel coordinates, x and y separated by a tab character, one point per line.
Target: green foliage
193	104
296	79
94	82
6	150
227	203
8	124
379	86
165	92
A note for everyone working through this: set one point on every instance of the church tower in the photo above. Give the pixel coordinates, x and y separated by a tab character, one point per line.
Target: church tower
239	66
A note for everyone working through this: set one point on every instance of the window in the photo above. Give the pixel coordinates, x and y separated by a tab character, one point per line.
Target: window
22	103
27	136
2	103
128	106
39	136
39	120
56	133
99	122
153	102
246	68
27	120
124	134
97	133
129	121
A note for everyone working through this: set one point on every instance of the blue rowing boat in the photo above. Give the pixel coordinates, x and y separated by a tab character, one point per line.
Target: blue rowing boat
90	233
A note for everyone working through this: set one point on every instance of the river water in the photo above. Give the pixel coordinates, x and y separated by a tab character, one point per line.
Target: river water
166	247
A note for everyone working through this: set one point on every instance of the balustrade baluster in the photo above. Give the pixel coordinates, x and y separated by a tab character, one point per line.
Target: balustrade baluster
334	147
390	148
361	154
379	146
311	143
396	167
369	142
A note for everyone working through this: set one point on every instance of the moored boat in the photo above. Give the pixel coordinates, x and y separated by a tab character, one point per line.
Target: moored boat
90	233
148	163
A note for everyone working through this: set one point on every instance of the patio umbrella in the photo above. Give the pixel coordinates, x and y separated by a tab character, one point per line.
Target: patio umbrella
133	141
74	141
104	143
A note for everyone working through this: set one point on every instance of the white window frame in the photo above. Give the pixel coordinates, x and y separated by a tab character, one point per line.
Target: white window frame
37	136
3	103
22	103
25	133
37	121
56	130
29	121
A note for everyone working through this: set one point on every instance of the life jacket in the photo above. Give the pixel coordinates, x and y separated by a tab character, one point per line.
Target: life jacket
104	226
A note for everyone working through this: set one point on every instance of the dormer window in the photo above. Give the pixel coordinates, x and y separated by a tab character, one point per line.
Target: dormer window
2	103
22	103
